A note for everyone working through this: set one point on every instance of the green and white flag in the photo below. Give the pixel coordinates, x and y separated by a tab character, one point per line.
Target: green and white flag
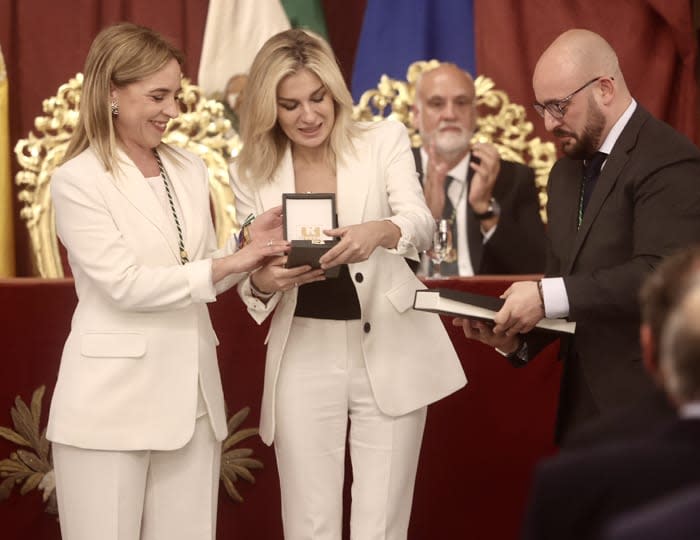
234	32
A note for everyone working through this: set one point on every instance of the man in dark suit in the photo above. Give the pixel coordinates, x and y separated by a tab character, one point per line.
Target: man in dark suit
661	292
491	205
607	228
673	518
575	494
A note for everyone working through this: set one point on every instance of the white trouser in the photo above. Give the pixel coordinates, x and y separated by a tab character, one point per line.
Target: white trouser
322	382
140	495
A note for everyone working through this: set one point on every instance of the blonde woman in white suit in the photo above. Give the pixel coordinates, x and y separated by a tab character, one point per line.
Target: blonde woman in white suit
348	348
137	413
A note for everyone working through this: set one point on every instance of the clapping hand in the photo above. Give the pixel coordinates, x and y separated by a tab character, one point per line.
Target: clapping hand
486	164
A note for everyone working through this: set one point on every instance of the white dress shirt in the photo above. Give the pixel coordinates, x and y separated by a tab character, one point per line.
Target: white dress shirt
556	299
457	193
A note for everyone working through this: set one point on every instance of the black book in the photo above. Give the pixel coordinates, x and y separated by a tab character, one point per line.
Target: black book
453	303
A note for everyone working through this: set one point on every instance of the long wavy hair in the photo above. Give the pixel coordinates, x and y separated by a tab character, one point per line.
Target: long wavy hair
119	55
264	142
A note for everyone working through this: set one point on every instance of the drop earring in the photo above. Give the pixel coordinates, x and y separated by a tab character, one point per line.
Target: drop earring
114	107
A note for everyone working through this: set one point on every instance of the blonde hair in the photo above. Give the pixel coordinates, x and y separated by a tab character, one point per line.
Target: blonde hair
284	54
120	55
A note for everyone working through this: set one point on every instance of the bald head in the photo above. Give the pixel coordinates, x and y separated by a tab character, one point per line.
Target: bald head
445	71
578	55
579	84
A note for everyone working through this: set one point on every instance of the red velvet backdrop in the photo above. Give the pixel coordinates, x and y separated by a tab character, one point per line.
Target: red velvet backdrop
654	39
45	42
479	448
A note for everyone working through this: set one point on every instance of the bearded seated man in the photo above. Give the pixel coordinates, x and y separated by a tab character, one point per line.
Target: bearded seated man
487	208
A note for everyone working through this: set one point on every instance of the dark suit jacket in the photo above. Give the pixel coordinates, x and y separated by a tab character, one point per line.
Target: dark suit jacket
575	494
518	243
631	422
646	204
673	518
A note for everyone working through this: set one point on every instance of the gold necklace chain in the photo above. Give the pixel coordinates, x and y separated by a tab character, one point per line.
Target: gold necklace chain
184	258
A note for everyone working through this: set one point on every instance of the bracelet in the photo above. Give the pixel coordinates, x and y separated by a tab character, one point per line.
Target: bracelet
257	293
539	291
244	237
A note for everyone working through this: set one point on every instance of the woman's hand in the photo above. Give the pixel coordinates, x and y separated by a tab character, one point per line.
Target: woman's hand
358	242
273	276
248	258
268	225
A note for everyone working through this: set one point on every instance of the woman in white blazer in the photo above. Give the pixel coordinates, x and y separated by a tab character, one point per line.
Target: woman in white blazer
137	413
346	348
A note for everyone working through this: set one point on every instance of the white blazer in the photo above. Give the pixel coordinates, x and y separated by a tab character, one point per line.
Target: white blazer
409	356
140	337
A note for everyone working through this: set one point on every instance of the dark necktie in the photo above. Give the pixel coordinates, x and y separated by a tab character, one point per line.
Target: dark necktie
591	172
449	213
448	209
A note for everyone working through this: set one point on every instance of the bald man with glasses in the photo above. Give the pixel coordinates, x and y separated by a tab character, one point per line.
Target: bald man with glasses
625	195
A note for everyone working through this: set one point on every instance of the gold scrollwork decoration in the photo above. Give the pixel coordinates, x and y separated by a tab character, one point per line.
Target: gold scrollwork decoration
30	465
201	128
237	462
499	122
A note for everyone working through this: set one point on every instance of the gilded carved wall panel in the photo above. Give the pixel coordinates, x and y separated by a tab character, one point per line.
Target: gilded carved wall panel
499	121
201	128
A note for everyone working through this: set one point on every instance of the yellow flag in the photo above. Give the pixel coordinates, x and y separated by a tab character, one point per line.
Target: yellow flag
7	242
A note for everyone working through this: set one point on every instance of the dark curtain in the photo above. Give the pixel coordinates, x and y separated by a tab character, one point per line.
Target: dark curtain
654	40
45	43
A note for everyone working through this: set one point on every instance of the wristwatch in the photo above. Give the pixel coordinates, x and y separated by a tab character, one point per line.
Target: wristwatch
493	210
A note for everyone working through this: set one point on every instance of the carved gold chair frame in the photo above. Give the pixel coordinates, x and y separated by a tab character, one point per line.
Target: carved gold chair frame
499	121
201	128
204	129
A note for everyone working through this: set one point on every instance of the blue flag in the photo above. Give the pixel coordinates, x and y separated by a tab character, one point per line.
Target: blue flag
396	34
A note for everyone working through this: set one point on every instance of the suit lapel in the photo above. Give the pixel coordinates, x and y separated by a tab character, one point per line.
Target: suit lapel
475	242
192	223
282	182
353	184
351	191
614	165
132	184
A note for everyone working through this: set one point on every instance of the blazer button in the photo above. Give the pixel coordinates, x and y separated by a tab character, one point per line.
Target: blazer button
367	327
359	277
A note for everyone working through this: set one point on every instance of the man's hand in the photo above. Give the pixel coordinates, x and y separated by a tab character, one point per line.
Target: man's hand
522	310
434	180
481	331
486	168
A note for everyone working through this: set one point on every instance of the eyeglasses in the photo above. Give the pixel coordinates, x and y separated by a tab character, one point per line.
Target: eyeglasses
558	108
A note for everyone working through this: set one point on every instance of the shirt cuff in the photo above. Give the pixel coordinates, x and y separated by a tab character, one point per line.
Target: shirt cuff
519	356
406	245
556	300
487	235
200	279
